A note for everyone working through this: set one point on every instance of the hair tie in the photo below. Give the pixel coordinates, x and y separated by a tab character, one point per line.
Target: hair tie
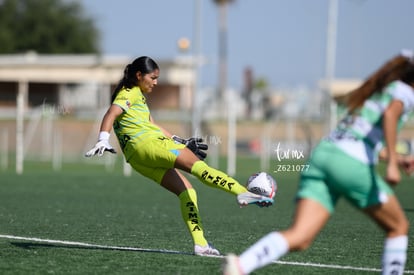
409	54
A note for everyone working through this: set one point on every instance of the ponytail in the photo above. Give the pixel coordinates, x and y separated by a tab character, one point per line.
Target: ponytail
394	69
124	82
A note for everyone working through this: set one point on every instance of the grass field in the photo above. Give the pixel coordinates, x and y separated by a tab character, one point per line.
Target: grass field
91	221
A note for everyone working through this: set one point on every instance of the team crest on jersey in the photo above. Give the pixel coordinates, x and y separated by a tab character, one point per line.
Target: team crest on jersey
128	103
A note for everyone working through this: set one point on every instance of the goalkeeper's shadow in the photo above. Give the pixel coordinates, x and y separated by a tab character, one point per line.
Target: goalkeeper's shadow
35	245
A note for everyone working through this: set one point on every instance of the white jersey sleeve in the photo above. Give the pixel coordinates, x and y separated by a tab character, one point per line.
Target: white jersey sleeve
405	93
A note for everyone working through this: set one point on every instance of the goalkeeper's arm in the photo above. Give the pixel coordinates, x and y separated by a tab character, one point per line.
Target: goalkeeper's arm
106	125
163	130
196	145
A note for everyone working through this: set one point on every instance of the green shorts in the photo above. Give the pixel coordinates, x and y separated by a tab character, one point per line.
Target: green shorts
333	174
153	157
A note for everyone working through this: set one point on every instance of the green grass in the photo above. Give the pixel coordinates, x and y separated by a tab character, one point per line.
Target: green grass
86	203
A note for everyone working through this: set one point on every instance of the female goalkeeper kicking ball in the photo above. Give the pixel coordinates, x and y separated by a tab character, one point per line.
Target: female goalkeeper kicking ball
342	165
152	151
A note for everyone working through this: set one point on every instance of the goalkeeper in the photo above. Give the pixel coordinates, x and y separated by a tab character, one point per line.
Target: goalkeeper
155	153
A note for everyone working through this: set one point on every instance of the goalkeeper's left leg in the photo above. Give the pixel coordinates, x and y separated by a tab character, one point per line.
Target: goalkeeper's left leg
189	211
191	216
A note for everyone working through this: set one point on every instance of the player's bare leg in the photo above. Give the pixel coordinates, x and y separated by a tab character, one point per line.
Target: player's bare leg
391	218
309	219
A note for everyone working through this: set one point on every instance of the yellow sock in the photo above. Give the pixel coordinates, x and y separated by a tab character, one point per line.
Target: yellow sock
215	178
189	211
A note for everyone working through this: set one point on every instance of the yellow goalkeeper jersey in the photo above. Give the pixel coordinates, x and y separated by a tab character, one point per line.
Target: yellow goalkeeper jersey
133	125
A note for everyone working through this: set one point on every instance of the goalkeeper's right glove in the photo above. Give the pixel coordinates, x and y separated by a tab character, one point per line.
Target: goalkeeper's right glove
101	146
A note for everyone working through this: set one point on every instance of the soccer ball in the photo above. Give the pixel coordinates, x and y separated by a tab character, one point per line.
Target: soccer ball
262	184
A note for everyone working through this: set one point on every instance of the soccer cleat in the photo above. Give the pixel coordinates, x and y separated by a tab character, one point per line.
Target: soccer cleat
207	250
231	265
251	198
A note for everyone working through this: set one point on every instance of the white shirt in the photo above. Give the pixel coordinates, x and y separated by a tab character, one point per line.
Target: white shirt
361	135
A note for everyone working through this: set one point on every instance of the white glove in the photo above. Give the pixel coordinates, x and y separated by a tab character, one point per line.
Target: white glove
102	146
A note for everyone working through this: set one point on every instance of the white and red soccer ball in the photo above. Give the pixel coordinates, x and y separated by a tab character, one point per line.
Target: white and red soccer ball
262	184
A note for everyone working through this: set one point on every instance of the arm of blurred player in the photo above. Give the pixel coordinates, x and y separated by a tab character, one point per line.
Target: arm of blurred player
391	116
405	162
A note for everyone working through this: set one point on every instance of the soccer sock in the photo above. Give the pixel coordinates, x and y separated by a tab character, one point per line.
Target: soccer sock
269	248
215	178
394	255
189	211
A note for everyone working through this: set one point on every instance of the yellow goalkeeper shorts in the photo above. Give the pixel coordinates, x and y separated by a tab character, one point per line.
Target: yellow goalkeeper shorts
153	157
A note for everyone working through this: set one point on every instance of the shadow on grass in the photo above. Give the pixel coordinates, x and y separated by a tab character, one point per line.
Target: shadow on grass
33	245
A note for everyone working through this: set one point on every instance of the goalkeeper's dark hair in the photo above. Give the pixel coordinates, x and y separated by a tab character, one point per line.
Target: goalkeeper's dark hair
398	68
143	64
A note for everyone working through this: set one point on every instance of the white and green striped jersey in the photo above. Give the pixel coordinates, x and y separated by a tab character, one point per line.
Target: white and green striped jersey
361	134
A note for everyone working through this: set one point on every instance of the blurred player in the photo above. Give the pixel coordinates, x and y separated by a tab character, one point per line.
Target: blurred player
343	165
152	151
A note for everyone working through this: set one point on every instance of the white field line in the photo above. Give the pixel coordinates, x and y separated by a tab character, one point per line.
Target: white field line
330	266
88	245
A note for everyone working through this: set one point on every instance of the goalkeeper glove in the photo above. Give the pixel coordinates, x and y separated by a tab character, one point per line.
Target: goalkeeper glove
194	144
102	146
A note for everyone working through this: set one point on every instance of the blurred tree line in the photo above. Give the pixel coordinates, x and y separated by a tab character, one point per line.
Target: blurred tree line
46	26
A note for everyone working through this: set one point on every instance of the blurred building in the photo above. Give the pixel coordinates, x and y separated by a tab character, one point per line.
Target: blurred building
82	83
340	87
37	89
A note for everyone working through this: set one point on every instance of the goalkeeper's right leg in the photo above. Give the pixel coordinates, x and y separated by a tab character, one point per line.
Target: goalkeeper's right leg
215	178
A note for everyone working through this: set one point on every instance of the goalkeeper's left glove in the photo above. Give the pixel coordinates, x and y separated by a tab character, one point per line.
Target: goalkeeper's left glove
194	144
102	146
